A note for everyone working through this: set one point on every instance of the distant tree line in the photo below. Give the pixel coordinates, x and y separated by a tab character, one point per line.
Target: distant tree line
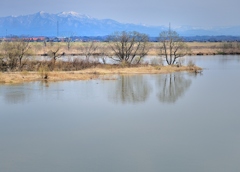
222	38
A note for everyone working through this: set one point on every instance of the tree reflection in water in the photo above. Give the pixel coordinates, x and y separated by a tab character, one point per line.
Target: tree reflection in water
16	96
21	94
44	83
172	86
131	89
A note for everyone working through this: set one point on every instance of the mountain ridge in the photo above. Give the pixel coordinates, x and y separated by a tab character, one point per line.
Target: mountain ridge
74	24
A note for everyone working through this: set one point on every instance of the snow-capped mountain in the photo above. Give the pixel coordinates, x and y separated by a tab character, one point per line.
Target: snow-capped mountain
66	24
75	24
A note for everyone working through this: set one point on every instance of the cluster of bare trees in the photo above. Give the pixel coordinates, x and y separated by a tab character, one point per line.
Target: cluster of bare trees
230	48
14	54
172	46
131	47
128	48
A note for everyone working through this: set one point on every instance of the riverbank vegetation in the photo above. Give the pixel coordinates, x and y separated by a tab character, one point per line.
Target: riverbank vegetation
101	71
122	53
197	48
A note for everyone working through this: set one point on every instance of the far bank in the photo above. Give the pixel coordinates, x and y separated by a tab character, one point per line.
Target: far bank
196	48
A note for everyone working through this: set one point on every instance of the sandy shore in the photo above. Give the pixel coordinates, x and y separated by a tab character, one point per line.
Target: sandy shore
91	73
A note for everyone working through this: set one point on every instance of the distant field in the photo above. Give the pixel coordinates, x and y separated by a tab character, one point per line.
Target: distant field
207	48
197	48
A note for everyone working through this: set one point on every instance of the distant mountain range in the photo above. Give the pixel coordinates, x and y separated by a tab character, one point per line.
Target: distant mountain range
67	24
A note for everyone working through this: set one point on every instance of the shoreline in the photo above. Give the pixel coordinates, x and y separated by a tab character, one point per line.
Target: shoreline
155	54
91	73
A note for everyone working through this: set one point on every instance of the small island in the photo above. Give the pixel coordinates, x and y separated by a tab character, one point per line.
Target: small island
105	72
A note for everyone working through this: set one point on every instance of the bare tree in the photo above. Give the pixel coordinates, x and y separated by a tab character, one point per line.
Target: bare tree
54	54
102	53
230	48
9	55
22	48
44	43
172	46
1	63
88	49
128	47
69	42
14	51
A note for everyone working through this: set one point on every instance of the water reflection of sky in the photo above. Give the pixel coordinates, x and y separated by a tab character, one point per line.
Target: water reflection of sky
125	89
170	122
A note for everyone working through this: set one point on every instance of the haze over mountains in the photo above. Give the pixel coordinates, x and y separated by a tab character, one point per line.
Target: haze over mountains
67	24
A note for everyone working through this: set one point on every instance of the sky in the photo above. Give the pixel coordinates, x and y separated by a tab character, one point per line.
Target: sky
201	13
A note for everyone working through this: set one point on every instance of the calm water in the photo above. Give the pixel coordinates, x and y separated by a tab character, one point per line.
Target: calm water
146	123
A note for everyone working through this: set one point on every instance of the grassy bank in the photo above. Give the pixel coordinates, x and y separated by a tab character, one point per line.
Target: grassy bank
106	72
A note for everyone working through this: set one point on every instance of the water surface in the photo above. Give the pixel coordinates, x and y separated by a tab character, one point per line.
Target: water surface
170	122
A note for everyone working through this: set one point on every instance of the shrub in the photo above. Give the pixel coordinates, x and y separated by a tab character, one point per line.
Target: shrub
190	63
156	61
43	71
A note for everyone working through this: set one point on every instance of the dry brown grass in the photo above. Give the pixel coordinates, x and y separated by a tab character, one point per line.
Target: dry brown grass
197	48
105	73
17	77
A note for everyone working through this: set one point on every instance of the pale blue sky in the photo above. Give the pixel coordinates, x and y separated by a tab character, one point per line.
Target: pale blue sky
203	13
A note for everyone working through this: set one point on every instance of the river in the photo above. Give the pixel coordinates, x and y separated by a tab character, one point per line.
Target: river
137	123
